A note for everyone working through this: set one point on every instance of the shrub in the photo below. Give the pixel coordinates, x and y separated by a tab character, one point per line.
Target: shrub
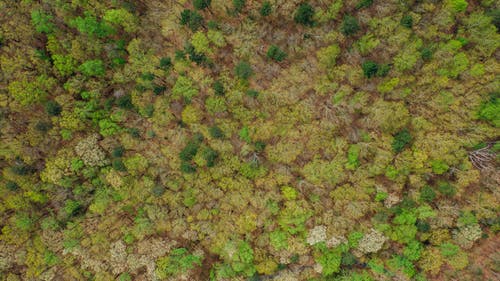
189	151
218	88
364	4
12	186
243	70
401	140
406	21
490	110
201	4
184	87
448	249
64	64
191	19
353	157
42	22
166	63
125	102
210	156
187	167
216	132
265	9
426	54
275	53
304	14
427	194
118	165
327	56
458	5
91	26
93	68
439	167
446	189
330	260
350	25
252	93
53	108
278	239
178	261
238	5
370	68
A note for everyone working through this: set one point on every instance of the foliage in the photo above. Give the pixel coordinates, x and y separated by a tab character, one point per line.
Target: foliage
92	68
201	4
401	140
178	261
265	9
42	22
243	70
275	53
349	26
191	19
304	14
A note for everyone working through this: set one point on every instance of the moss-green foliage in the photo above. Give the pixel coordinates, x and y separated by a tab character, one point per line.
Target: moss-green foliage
275	53
401	140
266	9
42	21
304	14
201	4
243	70
349	26
330	259
177	262
191	19
93	68
490	109
184	87
90	25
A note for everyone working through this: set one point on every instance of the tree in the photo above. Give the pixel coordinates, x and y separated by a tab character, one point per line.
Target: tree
201	4
191	19
243	70
401	140
265	9
304	14
42	22
350	25
93	68
238	5
275	53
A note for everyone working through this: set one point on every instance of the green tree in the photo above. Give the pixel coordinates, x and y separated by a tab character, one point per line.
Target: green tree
201	4
349	26
275	53
265	9
243	70
93	68
304	14
42	22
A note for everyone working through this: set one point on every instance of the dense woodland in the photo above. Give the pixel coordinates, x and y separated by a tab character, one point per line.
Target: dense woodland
348	140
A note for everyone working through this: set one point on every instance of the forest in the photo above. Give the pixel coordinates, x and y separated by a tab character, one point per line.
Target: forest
249	140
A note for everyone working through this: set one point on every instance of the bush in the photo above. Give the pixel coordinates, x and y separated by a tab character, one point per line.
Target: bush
12	186
178	261
243	70
439	167
265	9
364	4
216	132
370	68
275	53
189	151
93	68
53	108
187	167
191	19
118	165
238	5
401	140
252	93
427	194
42	22
350	25
407	21
210	156
426	54
458	5
166	63
201	4
490	110
446	189
304	14
218	88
